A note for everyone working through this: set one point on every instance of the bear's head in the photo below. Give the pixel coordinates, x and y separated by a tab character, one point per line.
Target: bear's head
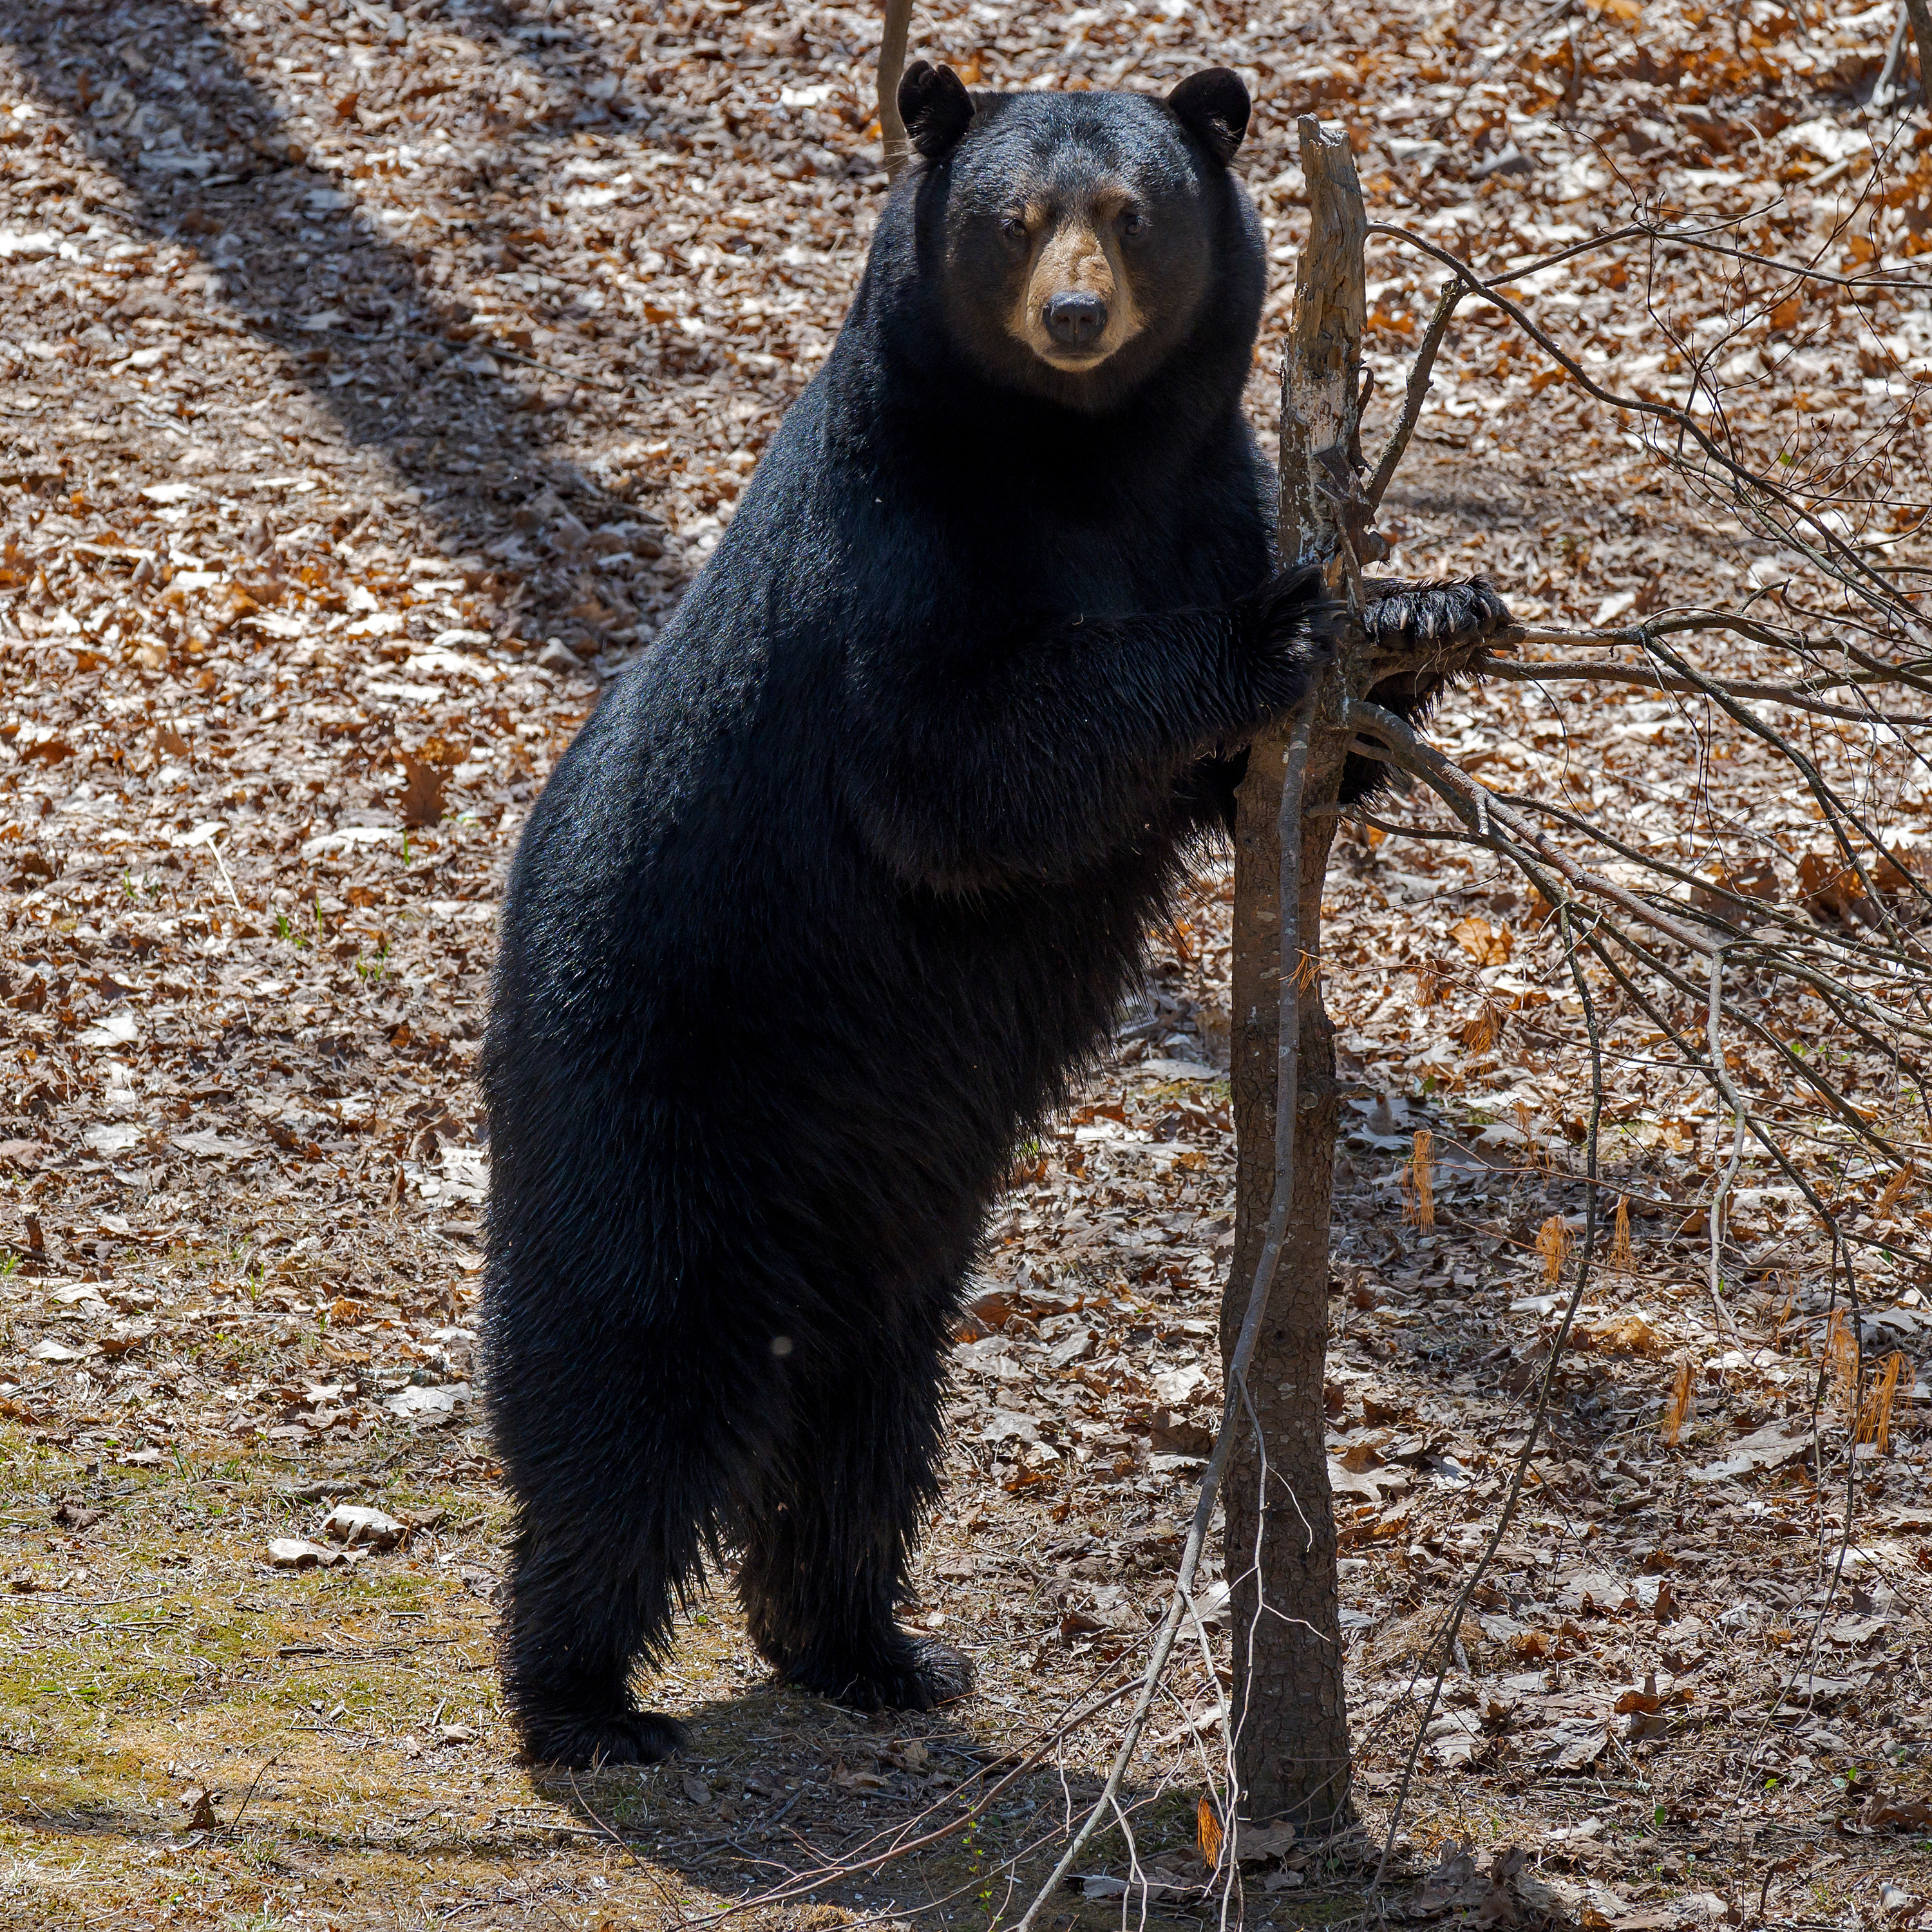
1072	244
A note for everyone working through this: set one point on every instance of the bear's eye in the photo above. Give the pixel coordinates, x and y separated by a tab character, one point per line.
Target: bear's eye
1133	222
1012	227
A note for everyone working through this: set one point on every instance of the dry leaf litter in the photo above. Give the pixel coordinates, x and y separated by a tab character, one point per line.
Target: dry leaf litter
372	381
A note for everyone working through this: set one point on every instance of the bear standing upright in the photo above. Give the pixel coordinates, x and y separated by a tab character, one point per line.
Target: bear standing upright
840	884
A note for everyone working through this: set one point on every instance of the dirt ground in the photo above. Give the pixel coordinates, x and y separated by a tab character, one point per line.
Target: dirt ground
372	382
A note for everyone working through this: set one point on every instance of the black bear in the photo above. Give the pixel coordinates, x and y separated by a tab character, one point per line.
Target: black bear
839	884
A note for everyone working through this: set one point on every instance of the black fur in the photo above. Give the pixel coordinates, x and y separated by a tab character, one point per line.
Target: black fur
1213	105
829	896
935	107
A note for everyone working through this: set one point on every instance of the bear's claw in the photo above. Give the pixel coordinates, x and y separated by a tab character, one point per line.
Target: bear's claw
577	1741
1457	610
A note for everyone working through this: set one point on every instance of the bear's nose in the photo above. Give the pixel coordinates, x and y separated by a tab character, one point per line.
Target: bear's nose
1076	320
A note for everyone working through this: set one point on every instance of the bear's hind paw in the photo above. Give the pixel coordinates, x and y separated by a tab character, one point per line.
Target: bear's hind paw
917	1673
940	1674
576	1741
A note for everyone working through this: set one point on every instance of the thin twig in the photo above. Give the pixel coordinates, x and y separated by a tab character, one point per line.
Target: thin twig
1714	1041
1806	934
222	865
1823	541
850	1867
248	1797
630	1851
1597	670
495	349
1468	800
1810	272
1408	750
1828	802
1420	380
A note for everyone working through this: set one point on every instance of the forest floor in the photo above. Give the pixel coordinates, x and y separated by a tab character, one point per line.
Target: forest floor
372	381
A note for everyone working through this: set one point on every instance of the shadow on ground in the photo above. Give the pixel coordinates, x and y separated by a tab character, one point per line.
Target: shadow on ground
352	316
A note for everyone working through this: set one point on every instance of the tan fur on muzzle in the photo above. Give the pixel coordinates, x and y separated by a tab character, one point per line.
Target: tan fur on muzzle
1074	256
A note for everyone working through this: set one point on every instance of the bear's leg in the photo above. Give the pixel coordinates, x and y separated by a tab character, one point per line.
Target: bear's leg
576	1618
828	1542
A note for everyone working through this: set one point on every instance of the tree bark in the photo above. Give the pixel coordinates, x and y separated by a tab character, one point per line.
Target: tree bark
1919	14
891	64
1288	1714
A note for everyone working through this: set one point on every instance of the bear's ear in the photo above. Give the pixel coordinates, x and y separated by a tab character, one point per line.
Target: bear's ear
1213	107
936	108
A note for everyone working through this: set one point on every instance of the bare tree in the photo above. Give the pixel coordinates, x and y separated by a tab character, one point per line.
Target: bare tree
1674	937
1918	15
1289	1729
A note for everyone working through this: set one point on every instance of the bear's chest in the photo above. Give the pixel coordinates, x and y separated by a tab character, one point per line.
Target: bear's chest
1098	548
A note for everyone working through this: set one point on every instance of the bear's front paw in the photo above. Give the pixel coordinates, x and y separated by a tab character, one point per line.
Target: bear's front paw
914	1673
1460	611
581	1741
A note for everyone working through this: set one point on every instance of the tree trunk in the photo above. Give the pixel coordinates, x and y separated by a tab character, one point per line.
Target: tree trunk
897	26
1918	15
1290	1722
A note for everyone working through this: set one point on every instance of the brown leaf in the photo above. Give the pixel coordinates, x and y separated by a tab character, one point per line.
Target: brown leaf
41	742
1628	1334
1207	1834
1487	945
1832	890
984	1314
1175	1435
1895	873
1732	887
1769	1448
422	792
1881	1813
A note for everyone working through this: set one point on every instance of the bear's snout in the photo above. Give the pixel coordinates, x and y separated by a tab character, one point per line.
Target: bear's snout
1075	319
1078	305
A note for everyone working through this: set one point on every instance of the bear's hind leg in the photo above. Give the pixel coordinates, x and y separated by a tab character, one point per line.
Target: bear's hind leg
828	1543
573	1627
